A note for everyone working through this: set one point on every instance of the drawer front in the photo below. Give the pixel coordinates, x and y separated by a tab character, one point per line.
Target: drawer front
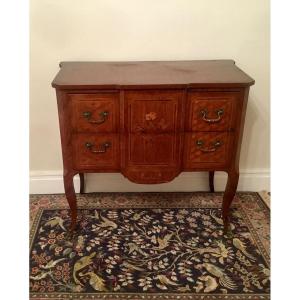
206	149
151	158
153	111
95	112
211	111
152	149
96	151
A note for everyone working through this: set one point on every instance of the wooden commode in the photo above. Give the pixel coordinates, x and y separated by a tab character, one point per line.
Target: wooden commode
151	121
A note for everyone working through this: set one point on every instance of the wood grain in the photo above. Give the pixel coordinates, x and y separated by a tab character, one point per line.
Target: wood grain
211	103
198	155
152	123
154	126
149	74
85	158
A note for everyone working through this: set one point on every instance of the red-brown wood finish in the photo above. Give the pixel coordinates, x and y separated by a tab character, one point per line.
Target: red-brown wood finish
96	151
207	149
152	125
82	183
151	120
95	113
211	175
211	111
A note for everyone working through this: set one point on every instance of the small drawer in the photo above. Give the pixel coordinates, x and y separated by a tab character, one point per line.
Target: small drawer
204	149
95	112
96	151
211	111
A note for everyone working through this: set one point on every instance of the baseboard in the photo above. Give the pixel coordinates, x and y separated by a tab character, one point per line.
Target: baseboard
51	182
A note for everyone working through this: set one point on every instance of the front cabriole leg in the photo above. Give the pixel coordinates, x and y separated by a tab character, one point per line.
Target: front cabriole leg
71	197
231	186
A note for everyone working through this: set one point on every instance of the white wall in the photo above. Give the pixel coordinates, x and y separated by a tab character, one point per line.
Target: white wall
146	30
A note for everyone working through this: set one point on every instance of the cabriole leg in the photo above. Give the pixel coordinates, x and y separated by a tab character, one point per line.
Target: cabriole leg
71	197
231	186
211	181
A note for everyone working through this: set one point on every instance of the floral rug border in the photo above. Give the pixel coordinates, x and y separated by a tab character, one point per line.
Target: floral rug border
149	296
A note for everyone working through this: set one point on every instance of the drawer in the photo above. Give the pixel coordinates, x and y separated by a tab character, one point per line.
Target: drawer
153	149
204	149
153	111
95	112
211	111
151	158
96	151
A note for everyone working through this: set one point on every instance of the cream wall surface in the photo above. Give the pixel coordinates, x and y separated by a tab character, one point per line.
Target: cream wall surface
115	30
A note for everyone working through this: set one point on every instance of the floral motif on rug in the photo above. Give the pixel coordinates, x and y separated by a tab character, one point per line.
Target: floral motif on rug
126	250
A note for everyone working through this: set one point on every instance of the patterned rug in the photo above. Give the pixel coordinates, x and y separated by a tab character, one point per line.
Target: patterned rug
149	246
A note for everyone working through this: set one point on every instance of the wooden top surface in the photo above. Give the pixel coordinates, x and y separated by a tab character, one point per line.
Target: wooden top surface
151	74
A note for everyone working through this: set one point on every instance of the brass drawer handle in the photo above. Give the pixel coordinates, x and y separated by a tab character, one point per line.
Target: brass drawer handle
102	148
204	113
216	145
103	117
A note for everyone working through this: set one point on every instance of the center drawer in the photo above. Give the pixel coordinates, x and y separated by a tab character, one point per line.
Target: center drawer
153	111
153	129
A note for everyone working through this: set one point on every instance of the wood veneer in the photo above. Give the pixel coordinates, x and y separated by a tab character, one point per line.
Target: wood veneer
151	120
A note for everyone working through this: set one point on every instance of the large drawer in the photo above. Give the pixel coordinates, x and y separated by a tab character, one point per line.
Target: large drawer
211	111
99	151
95	112
203	149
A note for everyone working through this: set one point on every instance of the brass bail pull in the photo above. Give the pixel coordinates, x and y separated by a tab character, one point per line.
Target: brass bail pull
214	147
102	119
219	113
102	147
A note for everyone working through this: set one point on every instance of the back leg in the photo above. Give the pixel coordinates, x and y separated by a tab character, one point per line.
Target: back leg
81	176
211	181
